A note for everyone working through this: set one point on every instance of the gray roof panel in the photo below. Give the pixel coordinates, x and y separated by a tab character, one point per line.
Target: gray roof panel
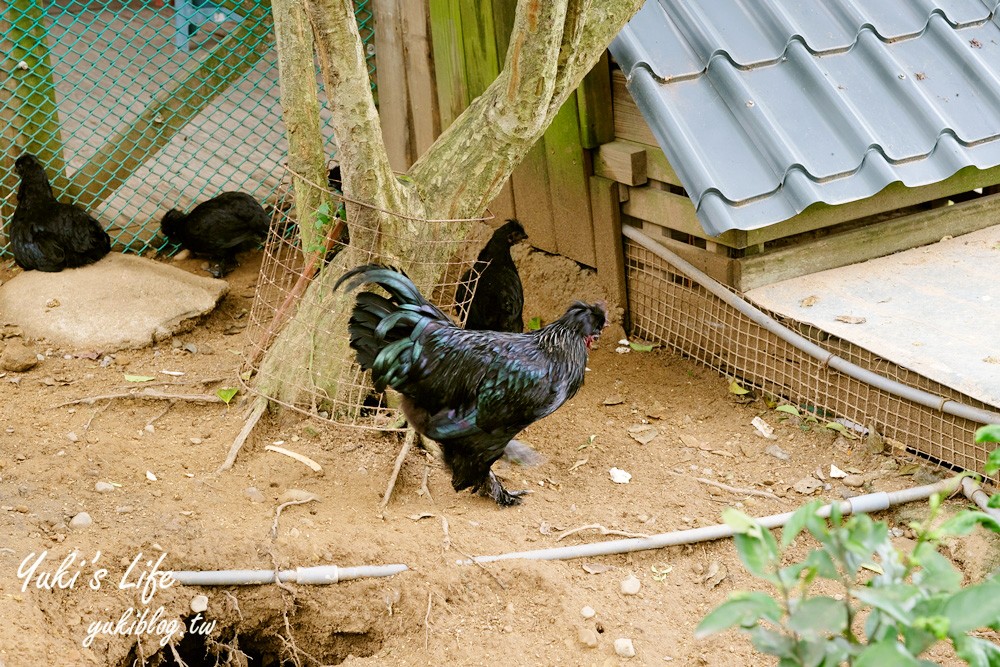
791	107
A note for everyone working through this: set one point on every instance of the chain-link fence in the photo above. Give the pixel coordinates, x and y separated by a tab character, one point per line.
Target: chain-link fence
138	107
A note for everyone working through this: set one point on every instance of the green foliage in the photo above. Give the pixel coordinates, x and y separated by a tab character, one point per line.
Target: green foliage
226	394
534	324
912	600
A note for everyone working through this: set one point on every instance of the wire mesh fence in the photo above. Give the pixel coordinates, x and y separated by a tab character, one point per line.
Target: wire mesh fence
303	368
668	307
139	107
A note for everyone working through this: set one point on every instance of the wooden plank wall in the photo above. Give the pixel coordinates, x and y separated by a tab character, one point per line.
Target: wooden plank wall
466	43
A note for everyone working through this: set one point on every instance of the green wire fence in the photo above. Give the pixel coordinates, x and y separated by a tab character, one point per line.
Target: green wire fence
138	107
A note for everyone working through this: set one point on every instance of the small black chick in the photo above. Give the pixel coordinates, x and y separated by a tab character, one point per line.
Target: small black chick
470	391
499	298
47	235
219	228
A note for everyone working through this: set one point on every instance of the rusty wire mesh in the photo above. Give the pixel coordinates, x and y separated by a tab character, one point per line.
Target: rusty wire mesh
668	307
282	290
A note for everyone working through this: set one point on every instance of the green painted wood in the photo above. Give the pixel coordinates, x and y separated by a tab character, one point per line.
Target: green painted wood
449	59
34	90
597	121
503	24
123	153
532	198
569	186
482	64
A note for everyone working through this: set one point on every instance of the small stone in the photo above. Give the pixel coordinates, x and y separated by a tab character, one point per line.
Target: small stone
196	441
854	481
777	452
17	357
807	485
588	612
624	647
150	476
190	347
72	437
199	603
149	428
631	585
123	509
52	303
253	494
104	487
588	637
614	399
836	472
81	521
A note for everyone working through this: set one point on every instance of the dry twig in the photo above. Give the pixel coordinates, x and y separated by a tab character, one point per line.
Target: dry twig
277	512
145	393
86	427
427	621
260	405
424	490
598	527
731	489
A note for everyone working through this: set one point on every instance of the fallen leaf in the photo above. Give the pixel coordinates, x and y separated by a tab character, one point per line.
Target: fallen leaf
656	411
736	388
534	324
138	378
422	515
579	463
850	319
172	373
639	347
715	574
614	399
226	394
722	452
689	440
809	301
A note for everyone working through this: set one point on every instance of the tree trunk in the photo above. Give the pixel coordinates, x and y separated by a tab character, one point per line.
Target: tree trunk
553	44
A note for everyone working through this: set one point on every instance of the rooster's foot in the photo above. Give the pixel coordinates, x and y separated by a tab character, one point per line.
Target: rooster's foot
504	498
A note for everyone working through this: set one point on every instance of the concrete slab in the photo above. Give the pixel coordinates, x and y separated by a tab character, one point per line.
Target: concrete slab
933	310
122	301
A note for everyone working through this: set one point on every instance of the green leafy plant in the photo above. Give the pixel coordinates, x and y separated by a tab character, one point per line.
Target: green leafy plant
910	601
226	394
534	324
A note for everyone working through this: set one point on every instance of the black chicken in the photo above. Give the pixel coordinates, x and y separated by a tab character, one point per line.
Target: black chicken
48	235
471	391
499	298
219	228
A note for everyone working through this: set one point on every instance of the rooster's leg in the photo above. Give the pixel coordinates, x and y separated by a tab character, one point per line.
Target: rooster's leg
504	498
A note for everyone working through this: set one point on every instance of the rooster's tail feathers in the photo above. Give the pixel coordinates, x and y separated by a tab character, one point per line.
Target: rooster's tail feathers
392	280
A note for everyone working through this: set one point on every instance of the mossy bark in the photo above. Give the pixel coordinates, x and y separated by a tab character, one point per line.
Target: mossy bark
553	44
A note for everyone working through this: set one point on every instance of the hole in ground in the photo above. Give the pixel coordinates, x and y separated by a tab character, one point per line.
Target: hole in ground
266	646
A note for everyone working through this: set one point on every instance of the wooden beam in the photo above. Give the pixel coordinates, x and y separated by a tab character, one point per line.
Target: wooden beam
449	60
609	259
394	107
531	187
170	111
597	123
569	185
425	119
621	161
629	123
868	242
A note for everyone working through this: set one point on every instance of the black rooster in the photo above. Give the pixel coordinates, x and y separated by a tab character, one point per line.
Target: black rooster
219	228
499	298
471	391
48	235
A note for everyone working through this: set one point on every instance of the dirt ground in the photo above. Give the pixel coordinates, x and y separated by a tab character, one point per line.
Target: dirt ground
143	470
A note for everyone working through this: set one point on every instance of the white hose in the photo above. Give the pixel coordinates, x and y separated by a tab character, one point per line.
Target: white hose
320	574
975	493
827	358
870	502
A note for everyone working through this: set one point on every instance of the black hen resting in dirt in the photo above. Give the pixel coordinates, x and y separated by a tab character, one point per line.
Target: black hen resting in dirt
219	228
48	235
471	391
499	298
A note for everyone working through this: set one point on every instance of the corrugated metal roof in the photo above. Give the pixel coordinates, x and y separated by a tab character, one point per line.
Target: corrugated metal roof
764	107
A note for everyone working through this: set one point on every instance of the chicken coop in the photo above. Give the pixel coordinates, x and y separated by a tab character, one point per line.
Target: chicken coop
138	107
753	145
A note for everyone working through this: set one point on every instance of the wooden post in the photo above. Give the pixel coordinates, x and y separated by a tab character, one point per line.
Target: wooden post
394	108
34	92
608	241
